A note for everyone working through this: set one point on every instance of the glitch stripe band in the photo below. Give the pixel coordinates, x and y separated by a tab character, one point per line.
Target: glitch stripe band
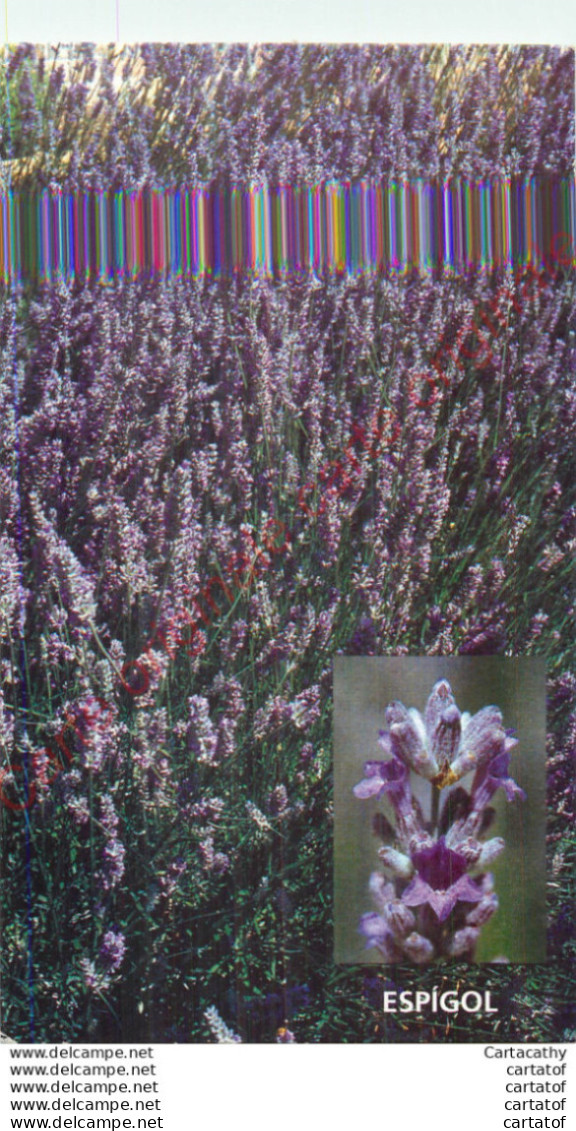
334	228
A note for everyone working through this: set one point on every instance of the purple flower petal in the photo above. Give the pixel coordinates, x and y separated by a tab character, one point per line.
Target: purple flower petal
408	740
373	926
441	881
373	784
440	866
385	741
377	934
493	776
386	777
440	699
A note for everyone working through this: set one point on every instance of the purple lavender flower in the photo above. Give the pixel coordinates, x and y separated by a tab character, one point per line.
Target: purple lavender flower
113	851
94	981
429	906
112	950
444	745
202	736
219	1029
390	778
441	880
377	933
493	775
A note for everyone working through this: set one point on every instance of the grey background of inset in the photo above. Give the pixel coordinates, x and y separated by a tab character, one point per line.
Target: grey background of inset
363	687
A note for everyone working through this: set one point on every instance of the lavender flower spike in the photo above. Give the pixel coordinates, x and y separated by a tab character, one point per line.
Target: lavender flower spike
433	894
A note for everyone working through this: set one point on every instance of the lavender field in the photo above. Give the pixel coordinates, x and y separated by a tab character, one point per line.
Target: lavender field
166	790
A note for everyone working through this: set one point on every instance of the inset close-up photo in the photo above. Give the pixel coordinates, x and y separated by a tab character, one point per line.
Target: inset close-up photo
440	810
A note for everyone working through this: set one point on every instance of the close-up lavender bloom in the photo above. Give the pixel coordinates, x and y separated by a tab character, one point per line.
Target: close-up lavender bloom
434	896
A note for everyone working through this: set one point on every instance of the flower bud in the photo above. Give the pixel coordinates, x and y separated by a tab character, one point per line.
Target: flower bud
408	738
377	934
481	740
483	911
399	918
381	890
463	941
373	927
446	737
468	847
490	850
396	862
418	948
440	699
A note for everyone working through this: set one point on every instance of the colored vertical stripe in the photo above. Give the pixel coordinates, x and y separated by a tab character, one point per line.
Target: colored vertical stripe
362	227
